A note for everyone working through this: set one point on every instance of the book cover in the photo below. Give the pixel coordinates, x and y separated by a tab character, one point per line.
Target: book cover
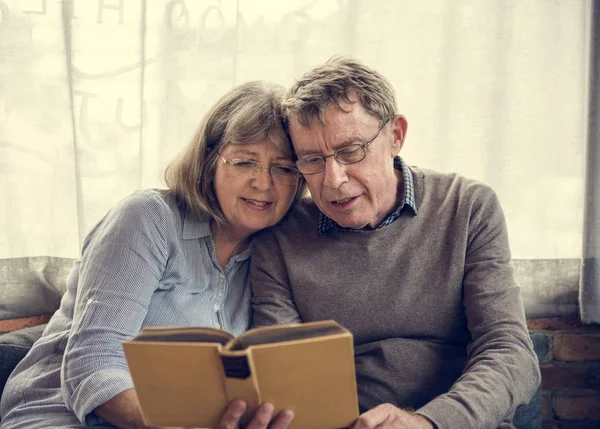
187	376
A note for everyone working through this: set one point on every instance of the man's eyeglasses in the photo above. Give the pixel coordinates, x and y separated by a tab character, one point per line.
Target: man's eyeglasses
247	168
351	154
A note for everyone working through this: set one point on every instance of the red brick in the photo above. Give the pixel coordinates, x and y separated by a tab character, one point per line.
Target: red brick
569	376
577	407
547	413
557	323
577	347
590	424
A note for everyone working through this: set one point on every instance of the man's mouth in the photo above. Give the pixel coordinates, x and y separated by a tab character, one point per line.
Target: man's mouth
343	201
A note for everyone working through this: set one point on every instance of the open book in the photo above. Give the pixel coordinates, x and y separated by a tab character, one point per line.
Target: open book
187	376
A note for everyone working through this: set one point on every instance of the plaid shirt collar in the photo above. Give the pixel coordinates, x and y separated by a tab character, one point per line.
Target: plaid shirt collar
325	223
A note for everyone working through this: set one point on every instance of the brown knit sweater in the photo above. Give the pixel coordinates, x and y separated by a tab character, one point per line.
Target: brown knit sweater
437	318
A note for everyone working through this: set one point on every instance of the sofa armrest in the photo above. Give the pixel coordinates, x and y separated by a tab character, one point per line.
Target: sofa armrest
11	325
13	347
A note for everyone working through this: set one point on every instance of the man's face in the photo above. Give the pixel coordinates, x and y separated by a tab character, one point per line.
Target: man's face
360	194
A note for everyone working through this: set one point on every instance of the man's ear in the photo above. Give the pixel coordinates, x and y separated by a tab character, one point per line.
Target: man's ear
399	128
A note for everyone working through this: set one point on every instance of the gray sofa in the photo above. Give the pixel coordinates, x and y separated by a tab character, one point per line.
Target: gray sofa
31	287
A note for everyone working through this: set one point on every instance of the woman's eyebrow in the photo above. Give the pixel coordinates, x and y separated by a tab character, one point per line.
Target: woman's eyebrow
243	152
255	154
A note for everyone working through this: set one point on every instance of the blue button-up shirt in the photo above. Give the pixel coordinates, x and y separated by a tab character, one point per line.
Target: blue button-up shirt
146	263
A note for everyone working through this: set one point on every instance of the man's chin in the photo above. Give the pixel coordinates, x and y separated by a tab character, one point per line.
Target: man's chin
346	219
350	223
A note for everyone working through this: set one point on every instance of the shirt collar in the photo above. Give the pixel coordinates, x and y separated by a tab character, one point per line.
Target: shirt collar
325	223
195	226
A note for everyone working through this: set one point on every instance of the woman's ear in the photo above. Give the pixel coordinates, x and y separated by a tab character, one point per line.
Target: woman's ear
399	127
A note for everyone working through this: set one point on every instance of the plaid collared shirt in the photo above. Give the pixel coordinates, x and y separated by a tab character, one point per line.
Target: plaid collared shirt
325	223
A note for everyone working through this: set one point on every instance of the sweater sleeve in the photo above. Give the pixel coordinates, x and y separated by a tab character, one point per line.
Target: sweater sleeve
123	260
272	297
502	370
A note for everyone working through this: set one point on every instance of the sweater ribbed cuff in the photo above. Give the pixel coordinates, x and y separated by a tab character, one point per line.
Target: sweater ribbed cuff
444	413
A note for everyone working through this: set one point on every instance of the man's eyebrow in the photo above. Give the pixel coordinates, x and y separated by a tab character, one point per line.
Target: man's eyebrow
348	141
301	153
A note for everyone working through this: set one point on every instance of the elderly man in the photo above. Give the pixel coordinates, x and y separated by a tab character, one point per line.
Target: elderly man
414	262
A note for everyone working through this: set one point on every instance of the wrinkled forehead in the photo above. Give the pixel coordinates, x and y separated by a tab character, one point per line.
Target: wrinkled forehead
306	111
343	118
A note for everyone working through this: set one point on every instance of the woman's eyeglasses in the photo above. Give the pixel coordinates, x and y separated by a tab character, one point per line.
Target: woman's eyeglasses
283	174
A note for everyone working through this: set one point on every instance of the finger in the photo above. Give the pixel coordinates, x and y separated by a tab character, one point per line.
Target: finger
283	420
262	417
231	417
372	418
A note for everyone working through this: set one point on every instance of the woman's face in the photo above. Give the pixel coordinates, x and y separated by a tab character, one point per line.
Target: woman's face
251	203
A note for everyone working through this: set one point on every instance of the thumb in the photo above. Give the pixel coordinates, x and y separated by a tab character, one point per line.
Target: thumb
373	418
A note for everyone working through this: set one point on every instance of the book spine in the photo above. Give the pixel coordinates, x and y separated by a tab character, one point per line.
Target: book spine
236	366
240	381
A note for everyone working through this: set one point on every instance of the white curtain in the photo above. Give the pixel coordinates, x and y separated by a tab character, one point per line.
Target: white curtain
96	96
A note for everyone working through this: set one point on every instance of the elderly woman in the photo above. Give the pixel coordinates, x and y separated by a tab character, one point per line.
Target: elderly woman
162	258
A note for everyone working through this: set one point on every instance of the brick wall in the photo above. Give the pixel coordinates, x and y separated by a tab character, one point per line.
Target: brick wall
570	365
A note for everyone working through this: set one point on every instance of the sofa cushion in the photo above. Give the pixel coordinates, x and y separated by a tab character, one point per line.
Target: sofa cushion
32	286
13	347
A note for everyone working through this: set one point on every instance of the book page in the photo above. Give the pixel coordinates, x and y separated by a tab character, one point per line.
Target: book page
281	333
184	335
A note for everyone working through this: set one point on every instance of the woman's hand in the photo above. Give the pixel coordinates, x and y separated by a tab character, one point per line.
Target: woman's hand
123	412
263	418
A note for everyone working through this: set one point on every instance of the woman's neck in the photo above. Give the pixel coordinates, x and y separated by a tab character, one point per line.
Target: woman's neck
227	242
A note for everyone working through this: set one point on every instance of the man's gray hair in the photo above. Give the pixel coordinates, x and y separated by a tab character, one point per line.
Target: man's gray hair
339	79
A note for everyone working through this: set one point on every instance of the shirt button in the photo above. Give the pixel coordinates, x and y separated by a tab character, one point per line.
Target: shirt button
217	325
216	307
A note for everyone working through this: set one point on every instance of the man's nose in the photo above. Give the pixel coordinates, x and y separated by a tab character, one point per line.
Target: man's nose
335	173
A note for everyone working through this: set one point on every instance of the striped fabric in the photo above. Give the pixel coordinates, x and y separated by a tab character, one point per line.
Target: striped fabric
326	224
144	264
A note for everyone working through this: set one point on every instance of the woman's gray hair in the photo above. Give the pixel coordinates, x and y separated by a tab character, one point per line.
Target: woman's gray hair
249	113
338	80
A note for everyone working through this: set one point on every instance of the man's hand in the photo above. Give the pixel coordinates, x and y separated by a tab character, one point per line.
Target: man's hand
388	416
261	420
